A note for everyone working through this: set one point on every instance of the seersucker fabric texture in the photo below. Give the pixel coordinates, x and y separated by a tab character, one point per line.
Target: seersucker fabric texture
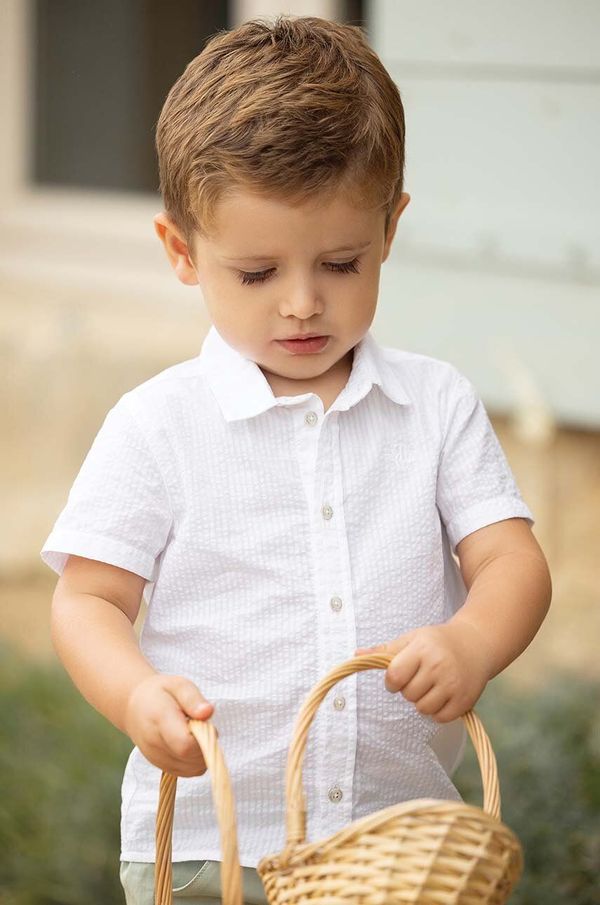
275	538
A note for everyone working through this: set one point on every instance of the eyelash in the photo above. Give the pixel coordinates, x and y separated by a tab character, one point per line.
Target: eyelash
248	279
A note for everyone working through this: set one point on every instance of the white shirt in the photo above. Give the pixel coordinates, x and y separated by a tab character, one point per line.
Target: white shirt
275	539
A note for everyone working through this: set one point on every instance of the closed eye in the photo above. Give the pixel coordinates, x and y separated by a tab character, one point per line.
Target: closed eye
248	278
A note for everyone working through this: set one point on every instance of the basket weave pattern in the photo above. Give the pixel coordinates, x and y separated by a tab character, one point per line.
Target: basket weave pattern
423	852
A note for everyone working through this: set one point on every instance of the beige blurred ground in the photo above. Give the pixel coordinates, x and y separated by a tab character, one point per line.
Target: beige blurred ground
561	483
559	477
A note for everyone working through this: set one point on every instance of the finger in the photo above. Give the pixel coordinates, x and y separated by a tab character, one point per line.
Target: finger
421	683
449	712
175	765
190	699
175	733
402	669
432	702
192	765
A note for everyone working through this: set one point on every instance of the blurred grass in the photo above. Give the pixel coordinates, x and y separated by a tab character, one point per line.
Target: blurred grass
60	773
547	745
61	766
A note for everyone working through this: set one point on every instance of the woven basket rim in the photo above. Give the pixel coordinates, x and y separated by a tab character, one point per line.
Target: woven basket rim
299	853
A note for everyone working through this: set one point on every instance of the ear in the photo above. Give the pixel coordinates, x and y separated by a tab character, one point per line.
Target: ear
176	248
404	199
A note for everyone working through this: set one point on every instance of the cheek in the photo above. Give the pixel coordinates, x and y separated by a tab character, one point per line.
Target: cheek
361	295
222	297
235	314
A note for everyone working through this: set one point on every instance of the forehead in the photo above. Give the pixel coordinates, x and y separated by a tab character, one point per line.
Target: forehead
256	225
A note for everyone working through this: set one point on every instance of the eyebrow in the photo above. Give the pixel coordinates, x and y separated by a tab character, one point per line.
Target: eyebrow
359	246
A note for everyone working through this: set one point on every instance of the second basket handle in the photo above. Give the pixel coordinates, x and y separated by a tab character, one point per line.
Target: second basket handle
296	807
231	873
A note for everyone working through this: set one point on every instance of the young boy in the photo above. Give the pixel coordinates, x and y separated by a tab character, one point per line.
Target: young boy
283	501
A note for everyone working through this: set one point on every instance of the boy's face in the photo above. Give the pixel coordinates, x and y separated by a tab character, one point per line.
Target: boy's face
270	271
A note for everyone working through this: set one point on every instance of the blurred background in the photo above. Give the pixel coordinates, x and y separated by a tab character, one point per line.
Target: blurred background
495	267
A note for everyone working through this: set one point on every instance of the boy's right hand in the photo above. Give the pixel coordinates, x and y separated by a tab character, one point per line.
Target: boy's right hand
156	720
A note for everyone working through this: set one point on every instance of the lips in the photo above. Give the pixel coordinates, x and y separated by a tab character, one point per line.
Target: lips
307	345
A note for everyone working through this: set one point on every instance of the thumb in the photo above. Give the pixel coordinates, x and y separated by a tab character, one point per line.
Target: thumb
191	700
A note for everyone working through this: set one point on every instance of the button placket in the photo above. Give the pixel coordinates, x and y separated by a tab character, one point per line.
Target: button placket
315	456
337	730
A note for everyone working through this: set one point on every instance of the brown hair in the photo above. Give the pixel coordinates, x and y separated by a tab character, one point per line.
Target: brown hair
291	109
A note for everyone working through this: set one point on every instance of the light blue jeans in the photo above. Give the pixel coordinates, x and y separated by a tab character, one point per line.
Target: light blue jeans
194	883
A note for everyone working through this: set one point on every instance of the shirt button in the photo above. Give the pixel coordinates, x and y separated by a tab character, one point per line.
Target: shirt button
327	512
336	604
311	418
339	703
335	794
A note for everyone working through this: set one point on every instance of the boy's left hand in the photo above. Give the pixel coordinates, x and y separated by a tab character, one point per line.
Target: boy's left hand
442	669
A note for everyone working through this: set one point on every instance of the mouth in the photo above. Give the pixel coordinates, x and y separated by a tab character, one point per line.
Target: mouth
310	343
304	336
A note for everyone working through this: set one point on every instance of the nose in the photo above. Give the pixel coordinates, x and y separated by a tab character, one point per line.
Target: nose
301	299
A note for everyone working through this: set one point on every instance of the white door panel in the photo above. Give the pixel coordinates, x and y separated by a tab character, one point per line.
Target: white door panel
496	261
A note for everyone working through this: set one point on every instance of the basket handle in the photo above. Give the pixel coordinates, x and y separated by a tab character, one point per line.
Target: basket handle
231	873
296	808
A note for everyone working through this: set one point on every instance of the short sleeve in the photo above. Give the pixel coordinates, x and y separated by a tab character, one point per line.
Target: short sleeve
118	508
475	485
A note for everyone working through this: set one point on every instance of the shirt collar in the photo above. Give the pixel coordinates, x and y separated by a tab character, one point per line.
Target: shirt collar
242	390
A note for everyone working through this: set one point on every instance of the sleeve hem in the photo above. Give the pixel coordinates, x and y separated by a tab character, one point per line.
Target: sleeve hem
485	513
61	543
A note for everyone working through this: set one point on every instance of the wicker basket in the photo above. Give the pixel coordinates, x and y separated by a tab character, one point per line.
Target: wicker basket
423	852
